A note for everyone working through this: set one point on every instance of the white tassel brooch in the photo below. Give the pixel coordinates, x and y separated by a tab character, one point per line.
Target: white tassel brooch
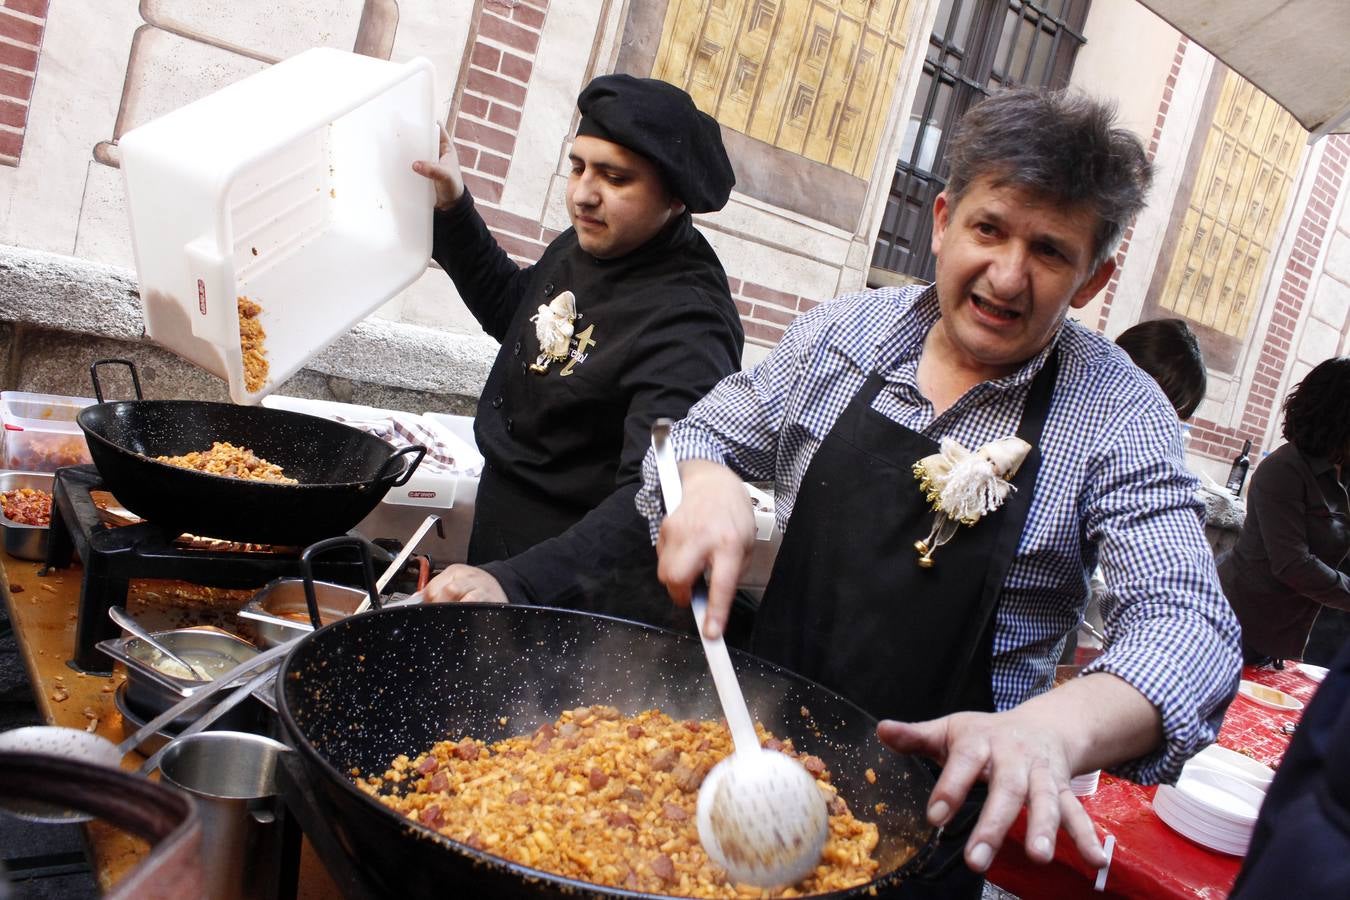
963	486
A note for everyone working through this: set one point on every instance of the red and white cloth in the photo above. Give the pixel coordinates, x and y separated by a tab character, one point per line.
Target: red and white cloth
445	450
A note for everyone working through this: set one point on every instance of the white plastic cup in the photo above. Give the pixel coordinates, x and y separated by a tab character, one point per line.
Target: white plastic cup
1085	785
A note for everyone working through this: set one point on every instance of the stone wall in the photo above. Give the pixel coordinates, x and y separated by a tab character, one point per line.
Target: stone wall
58	314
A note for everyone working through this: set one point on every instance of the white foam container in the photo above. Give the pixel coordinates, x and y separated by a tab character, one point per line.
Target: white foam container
430	490
293	187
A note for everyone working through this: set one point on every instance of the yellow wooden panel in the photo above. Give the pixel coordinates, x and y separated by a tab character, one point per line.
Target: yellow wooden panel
814	77
1241	185
779	63
874	119
854	134
824	132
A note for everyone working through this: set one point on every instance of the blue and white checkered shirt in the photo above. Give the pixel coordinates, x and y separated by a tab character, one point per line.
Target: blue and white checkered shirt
1112	489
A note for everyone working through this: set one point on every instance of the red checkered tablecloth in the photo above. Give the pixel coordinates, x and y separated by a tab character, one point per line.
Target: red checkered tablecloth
1150	859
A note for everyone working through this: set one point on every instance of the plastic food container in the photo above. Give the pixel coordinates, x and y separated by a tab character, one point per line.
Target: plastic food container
292	187
40	431
25	541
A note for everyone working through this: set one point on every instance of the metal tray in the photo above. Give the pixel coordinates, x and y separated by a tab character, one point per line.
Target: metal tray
278	612
153	690
25	541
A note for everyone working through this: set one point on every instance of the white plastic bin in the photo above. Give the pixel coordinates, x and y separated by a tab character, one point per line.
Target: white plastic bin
293	187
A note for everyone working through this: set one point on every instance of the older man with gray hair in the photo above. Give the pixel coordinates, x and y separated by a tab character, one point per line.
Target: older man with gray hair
948	625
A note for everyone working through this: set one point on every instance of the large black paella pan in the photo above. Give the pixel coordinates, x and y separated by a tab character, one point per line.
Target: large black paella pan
360	691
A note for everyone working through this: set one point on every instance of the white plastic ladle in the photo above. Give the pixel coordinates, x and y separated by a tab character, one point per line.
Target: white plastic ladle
760	814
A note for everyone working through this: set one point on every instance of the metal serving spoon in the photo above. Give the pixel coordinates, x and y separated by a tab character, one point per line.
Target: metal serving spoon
760	815
119	616
397	564
84	746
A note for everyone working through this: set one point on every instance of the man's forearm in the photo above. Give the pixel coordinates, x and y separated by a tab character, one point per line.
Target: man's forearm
555	571
1103	720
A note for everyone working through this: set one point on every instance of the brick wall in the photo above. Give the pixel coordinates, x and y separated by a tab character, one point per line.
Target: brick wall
21	26
505	39
1259	412
1158	123
1260	407
766	313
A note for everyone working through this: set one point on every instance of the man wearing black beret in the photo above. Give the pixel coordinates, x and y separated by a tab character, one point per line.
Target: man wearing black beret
625	318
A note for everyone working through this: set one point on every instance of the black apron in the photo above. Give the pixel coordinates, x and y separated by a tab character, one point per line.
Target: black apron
849	606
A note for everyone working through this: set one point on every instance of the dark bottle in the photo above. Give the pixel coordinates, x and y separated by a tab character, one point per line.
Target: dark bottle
1238	474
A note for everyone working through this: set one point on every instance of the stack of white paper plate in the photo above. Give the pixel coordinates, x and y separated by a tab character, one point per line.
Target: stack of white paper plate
1214	809
1085	785
1230	762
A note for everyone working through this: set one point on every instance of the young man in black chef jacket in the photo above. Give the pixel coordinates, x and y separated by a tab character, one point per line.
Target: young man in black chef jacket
626	317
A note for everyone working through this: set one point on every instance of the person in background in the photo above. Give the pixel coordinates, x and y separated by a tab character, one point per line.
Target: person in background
1292	557
626	317
959	653
1168	350
1301	844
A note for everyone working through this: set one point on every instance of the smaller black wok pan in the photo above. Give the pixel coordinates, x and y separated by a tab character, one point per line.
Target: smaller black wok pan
342	471
356	693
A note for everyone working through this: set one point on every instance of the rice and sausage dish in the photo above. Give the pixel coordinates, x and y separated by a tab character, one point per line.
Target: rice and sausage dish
226	459
605	798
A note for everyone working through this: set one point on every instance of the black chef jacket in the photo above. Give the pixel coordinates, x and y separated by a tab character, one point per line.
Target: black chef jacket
656	329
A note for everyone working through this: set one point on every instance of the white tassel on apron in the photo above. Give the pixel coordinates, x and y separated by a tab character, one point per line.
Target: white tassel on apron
963	486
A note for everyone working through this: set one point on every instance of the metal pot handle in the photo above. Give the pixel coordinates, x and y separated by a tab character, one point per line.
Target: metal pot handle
407	473
307	571
98	388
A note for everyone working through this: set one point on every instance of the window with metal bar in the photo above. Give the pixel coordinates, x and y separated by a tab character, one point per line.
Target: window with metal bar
976	46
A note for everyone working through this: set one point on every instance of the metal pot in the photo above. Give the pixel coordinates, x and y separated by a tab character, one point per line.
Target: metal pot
247	716
160	815
25	541
358	692
231	776
342	471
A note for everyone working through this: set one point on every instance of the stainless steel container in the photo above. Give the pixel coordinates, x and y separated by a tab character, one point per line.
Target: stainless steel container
151	688
232	776
25	541
278	611
244	717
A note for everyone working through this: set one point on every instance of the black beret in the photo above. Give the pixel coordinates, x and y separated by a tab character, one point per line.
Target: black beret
661	122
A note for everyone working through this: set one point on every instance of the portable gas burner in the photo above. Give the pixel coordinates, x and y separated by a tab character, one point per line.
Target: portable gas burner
86	521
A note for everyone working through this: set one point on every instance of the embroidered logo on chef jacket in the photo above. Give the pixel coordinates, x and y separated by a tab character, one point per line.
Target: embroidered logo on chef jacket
555	326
